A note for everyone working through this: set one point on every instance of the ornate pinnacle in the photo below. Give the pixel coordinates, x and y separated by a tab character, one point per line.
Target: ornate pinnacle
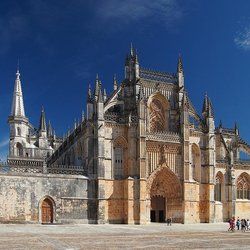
180	65
115	83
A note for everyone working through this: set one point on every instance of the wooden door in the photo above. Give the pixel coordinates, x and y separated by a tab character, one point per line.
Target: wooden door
47	211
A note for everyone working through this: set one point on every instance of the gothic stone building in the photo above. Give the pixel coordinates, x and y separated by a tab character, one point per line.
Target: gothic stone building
141	154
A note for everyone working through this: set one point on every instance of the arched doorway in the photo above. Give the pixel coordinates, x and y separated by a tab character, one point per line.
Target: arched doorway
47	211
158	209
165	194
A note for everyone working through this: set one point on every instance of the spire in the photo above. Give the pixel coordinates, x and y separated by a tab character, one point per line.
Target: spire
100	97
104	95
17	108
131	49
97	83
210	109
207	109
220	124
75	124
205	105
49	130
83	116
236	128
42	126
180	65
185	104
115	83
89	99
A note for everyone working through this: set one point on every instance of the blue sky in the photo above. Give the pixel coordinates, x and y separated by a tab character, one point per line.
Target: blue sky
61	46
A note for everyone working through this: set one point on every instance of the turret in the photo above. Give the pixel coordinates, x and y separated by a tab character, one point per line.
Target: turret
236	129
90	107
104	95
180	73
49	130
180	76
100	106
115	83
19	123
132	68
42	125
97	86
208	114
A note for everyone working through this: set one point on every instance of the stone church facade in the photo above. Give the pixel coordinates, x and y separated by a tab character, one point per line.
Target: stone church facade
141	154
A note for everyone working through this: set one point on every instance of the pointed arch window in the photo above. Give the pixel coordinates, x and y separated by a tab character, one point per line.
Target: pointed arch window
243	187
158	113
218	188
119	156
118	163
195	163
18	131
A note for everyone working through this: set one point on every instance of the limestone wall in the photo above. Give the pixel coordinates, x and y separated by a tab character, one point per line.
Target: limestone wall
242	209
21	197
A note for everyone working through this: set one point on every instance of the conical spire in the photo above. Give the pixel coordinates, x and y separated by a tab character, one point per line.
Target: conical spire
207	109
104	95
115	83
220	124
83	116
17	108
131	49
49	130
180	65
89	99
97	83
236	128
42	126
185	104
205	105
100	97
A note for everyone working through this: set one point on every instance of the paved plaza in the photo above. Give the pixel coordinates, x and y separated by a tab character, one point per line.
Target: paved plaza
153	236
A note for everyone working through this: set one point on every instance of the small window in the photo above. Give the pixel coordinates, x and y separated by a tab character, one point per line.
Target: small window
18	131
118	167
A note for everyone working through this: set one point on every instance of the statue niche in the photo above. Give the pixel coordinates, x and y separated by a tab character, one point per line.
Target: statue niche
157	116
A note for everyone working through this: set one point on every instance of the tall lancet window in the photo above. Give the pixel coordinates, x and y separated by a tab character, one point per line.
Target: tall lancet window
18	131
218	187
157	116
243	186
195	163
118	163
119	158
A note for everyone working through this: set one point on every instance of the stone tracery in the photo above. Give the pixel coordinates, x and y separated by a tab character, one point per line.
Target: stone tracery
243	187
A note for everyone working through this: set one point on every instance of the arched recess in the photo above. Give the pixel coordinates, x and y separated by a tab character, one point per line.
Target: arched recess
19	149
47	208
219	187
195	163
243	186
18	131
158	113
119	163
164	191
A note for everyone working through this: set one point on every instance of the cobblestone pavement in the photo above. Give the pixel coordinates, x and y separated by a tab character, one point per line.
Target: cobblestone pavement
153	236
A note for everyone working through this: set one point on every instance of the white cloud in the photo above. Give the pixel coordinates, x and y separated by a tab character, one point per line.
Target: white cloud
242	39
4	143
163	11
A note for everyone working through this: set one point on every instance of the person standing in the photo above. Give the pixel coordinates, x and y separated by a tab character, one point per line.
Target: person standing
238	223
243	225
248	224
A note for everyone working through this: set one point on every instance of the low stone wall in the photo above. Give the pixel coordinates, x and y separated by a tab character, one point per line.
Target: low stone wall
21	196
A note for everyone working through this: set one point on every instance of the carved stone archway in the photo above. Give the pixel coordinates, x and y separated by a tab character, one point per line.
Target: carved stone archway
164	184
